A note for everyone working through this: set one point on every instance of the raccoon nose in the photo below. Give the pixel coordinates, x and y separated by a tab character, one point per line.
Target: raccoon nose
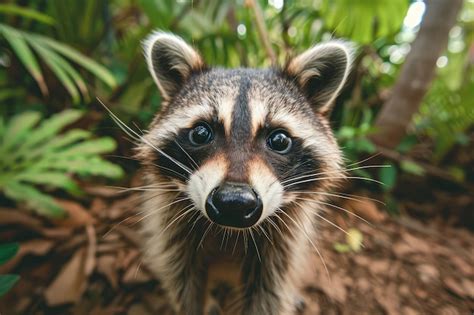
235	205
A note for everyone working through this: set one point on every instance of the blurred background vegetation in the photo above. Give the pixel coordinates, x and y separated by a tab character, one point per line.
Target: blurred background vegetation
58	56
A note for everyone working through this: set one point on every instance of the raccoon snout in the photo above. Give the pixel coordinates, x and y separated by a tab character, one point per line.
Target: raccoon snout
235	205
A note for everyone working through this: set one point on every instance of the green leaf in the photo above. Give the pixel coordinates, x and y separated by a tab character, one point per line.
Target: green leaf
59	142
18	43
18	127
7	251
13	9
388	176
50	127
7	282
91	147
51	59
83	166
34	199
412	168
50	178
98	70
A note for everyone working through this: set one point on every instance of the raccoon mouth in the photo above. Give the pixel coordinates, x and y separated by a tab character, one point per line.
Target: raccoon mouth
234	205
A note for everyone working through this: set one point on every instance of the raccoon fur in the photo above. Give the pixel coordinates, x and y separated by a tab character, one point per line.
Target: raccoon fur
237	163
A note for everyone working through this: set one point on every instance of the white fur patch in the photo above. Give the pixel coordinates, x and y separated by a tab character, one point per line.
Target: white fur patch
267	186
203	181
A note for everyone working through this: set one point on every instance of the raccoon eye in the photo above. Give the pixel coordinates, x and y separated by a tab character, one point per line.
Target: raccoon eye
279	141
200	134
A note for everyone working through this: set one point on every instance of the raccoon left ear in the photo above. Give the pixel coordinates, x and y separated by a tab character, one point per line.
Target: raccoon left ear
170	61
321	72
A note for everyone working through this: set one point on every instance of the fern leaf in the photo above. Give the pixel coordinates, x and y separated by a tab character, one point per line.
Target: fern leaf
98	70
49	128
34	199
18	43
52	60
56	180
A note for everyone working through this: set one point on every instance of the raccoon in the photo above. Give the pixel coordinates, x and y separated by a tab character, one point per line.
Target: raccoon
237	163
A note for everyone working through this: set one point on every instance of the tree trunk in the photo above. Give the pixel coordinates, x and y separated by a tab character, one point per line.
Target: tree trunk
417	72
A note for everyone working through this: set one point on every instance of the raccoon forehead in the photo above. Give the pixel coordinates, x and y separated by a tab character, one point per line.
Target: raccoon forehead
244	101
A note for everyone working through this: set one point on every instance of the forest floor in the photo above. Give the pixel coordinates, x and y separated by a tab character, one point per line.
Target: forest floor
82	266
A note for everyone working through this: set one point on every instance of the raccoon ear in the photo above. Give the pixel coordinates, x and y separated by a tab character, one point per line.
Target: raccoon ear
170	61
321	72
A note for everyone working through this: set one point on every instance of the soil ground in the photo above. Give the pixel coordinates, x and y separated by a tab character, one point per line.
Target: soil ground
82	266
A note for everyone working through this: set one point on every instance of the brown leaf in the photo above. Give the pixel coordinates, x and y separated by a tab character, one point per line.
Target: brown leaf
90	262
387	297
379	266
106	265
101	191
98	207
38	247
462	265
448	310
365	208
333	287
468	286
428	273
70	283
10	216
77	215
455	287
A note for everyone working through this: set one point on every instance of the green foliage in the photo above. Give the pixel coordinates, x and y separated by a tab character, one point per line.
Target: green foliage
7	251
34	153
57	56
365	20
388	176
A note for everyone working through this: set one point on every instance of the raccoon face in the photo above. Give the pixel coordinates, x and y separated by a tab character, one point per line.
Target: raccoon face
242	143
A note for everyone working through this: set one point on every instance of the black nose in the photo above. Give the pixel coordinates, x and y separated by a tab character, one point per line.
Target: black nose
233	204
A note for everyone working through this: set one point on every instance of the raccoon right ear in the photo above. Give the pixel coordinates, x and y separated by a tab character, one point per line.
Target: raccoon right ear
321	72
170	61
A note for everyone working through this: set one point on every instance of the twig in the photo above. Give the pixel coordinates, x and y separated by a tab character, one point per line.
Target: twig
262	29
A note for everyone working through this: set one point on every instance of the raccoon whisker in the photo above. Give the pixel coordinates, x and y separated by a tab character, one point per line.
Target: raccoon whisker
236	240
199	216
171	170
204	234
153	164
140	138
255	243
270	220
134	215
332	172
227	236
335	177
266	235
123	190
245	239
341	195
342	209
310	241
322	217
160	208
196	166
183	212
365	160
223	237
